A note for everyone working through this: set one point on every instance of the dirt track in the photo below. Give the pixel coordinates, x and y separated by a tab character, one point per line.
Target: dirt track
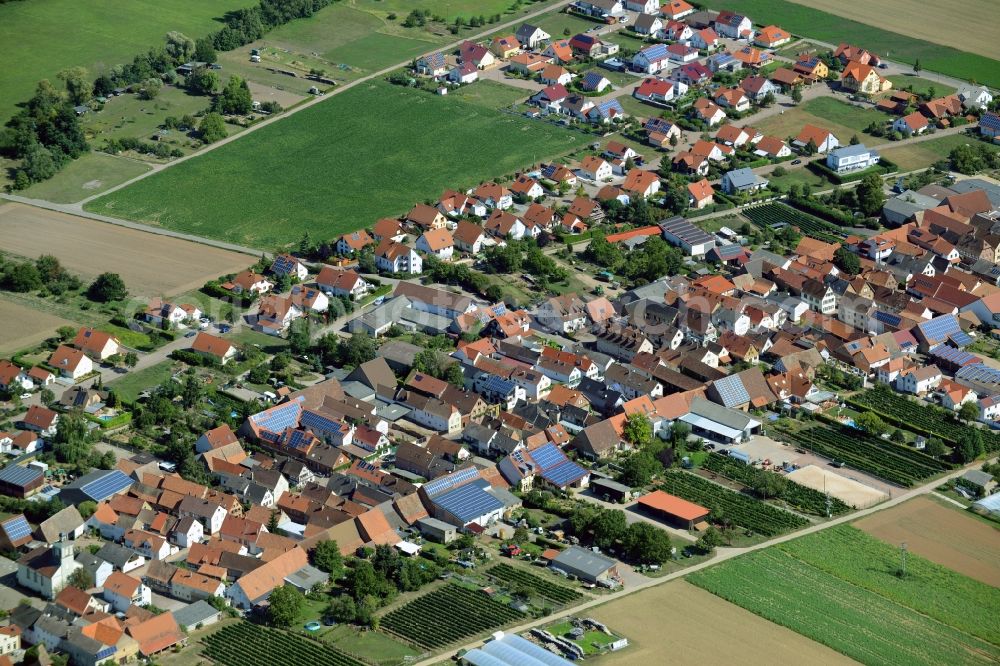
941	534
678	623
150	264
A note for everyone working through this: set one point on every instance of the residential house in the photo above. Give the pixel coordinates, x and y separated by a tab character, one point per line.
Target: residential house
437	243
676	9
477	54
46	570
248	282
213	347
98	345
758	87
394	257
504	47
647	24
659	91
71	362
641	183
705	39
275	314
864	79
771	37
823	140
594	81
742	181
732	98
974	96
708	112
342	283
123	591
918	381
353	242
852	158
531	36
651	59
432	65
732	25
286	264
464	73
700	194
772	147
908	125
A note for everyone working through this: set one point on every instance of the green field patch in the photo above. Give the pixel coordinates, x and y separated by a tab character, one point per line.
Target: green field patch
864	625
378	50
43	37
809	22
135	382
920	85
338	166
88	176
917	155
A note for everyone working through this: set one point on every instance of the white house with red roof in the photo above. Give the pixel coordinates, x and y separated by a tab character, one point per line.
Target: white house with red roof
214	347
914	123
437	242
340	282
71	362
657	90
97	345
14	378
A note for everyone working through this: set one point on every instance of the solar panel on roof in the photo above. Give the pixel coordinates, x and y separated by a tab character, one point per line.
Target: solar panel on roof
939	328
962	339
109	484
453	480
564	473
17	528
890	318
17	475
732	391
468	502
979	373
547	456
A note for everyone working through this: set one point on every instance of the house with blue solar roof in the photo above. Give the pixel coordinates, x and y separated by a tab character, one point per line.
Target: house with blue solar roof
936	331
286	264
545	465
432	64
464	497
14	532
21	480
652	59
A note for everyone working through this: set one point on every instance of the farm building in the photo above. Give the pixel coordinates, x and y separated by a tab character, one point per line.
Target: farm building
96	486
694	241
673	509
512	650
719	423
18	481
586	565
611	490
198	615
437	530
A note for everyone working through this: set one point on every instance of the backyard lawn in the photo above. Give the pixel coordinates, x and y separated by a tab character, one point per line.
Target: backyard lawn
318	170
919	85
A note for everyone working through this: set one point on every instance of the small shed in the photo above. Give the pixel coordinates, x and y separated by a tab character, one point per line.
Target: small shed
673	509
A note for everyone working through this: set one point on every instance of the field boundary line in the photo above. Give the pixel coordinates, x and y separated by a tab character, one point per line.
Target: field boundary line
949	500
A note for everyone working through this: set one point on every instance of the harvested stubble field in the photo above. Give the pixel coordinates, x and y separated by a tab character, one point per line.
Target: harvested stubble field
686	623
24	326
892	32
373	151
965	27
149	263
941	534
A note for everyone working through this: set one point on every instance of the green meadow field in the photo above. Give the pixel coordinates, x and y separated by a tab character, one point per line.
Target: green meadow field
807	21
42	37
370	152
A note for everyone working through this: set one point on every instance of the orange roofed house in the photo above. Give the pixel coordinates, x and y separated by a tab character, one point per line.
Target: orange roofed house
863	79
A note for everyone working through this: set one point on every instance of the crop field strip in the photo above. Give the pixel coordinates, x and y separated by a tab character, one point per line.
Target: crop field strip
245	644
925	419
774	213
744	511
510	575
806	500
840	588
447	615
894	463
393	146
